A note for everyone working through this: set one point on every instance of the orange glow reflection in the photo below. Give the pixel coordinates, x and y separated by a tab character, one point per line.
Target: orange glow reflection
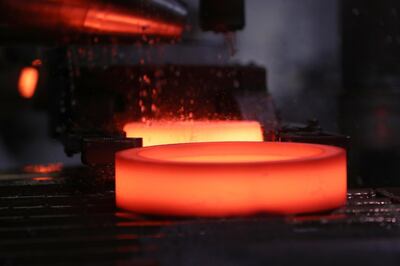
231	178
170	132
27	83
42	178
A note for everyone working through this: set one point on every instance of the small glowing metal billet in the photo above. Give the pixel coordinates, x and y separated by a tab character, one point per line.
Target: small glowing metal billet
172	132
231	178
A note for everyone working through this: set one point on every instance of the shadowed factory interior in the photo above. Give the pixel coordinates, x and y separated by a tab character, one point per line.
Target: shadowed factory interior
199	132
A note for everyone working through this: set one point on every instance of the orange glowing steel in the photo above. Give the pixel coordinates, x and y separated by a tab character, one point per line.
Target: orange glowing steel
115	22
170	132
88	15
27	83
231	178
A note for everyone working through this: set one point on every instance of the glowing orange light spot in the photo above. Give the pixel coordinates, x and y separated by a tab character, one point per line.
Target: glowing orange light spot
43	169
170	132
27	83
231	178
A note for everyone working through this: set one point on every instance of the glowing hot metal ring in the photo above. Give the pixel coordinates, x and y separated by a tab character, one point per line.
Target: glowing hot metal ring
231	178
